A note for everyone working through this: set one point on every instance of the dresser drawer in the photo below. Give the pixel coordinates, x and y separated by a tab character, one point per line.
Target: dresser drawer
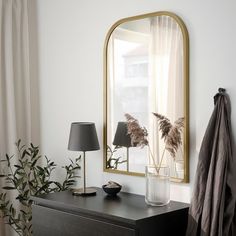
52	222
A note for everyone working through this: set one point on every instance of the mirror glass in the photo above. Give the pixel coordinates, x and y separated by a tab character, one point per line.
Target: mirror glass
146	78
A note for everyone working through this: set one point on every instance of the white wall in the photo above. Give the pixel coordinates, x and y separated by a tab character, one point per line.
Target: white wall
71	39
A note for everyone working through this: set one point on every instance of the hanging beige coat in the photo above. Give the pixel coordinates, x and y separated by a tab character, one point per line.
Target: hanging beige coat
212	209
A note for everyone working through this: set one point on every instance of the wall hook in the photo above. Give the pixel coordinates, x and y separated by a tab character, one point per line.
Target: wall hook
221	90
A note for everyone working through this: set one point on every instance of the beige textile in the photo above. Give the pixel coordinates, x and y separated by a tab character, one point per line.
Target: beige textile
18	96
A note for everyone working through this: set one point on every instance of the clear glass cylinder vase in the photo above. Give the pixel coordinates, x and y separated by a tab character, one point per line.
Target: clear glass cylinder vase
157	185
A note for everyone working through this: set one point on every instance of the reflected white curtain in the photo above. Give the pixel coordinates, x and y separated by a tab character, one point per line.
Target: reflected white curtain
18	91
166	75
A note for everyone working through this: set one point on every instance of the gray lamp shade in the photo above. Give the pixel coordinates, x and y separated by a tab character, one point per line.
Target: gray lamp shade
122	138
83	137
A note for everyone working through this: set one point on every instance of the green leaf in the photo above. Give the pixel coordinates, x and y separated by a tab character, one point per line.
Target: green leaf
19	167
7	157
22	147
77	167
40	168
20	173
52	164
34	162
18	143
58	185
8	188
24	185
23	212
25	152
31	180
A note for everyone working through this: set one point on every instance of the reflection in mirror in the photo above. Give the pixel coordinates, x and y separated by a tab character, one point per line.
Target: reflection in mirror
146	72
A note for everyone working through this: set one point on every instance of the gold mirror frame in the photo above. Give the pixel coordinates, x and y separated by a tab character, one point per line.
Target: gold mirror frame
186	90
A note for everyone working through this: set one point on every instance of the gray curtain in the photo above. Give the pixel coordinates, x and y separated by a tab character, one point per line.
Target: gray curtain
212	209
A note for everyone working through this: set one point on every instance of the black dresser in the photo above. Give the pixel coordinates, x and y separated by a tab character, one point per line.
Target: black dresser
62	214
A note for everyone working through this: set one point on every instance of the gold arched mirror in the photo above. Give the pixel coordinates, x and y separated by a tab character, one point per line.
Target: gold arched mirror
146	71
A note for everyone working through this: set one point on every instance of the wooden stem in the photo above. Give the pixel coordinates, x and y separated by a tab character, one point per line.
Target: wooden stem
162	157
153	159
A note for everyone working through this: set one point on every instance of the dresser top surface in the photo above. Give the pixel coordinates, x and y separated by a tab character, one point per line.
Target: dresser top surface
127	206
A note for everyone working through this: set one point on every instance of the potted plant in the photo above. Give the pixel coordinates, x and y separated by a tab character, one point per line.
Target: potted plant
157	175
29	178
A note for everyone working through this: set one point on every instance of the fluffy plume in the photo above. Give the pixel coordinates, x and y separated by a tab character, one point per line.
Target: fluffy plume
137	133
164	125
170	132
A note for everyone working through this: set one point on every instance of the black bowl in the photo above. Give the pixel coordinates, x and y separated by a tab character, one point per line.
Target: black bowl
111	191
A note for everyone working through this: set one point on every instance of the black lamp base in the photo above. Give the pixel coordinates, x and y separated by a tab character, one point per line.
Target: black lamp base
87	192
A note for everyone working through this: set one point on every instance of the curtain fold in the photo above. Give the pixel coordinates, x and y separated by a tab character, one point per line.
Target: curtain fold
18	102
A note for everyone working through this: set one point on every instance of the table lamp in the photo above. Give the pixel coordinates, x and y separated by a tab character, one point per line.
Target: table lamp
83	137
122	138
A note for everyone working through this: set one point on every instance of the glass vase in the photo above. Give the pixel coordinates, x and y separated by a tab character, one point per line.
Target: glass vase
157	185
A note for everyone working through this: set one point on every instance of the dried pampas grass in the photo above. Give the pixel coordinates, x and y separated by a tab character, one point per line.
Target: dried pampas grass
139	136
171	133
137	133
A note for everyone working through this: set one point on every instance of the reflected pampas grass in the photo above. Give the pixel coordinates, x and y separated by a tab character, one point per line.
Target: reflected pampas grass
137	133
171	133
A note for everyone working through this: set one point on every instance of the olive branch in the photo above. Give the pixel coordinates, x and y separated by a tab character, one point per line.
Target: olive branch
29	178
